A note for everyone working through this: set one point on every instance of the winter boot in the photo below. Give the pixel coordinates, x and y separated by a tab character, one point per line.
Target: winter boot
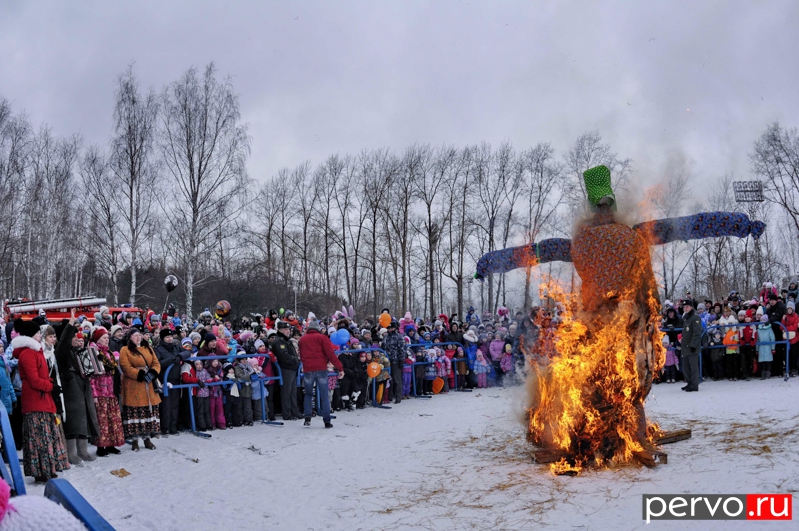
134	446
102	451
112	450
83	450
307	421
328	424
72	452
148	444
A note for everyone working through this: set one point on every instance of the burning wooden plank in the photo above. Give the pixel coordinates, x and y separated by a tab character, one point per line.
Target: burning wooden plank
651	458
669	437
547	456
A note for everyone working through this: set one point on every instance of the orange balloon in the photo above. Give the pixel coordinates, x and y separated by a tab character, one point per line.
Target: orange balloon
379	396
385	320
373	369
438	385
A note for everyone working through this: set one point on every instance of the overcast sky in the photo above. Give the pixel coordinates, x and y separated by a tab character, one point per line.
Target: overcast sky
315	78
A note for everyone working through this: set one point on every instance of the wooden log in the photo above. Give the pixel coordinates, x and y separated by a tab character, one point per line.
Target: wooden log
669	437
651	458
547	456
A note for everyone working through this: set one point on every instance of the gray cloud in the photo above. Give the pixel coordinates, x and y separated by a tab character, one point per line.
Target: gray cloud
315	78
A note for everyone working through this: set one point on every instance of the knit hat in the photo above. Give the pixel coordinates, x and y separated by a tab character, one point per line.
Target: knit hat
26	328
597	185
209	337
791	305
313	324
185	341
258	344
764	318
99	332
114	330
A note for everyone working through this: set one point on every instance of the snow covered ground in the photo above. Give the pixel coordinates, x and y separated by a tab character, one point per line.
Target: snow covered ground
456	461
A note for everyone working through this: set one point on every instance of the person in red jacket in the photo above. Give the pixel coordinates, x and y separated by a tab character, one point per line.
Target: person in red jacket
791	322
43	448
316	351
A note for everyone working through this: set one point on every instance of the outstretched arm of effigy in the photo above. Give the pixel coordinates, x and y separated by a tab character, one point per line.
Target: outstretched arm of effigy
699	226
504	260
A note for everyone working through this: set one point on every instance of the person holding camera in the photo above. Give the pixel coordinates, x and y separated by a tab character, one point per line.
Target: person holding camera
140	370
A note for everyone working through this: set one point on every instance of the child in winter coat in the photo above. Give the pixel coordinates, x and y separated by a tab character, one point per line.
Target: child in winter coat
215	394
407	375
443	369
461	368
243	372
202	409
347	385
430	370
450	353
360	382
716	345
732	359
257	376
496	348
332	382
748	345
670	369
765	353
506	363
481	368
232	403
269	372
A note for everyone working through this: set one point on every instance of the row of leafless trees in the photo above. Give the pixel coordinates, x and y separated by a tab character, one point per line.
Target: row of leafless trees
170	193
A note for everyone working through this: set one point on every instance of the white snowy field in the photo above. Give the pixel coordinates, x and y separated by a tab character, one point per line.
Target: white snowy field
456	461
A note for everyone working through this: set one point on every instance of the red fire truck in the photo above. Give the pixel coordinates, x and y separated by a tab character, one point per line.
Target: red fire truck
57	309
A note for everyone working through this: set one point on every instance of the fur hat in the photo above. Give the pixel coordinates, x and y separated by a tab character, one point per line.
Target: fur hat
164	332
99	332
26	328
470	336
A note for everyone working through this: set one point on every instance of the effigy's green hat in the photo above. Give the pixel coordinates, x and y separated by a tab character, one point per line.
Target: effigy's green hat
597	185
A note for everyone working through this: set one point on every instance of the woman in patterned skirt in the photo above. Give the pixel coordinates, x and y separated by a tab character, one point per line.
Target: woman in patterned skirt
43	448
105	401
140	368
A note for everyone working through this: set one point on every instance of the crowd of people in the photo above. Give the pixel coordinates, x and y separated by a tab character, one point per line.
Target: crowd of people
740	339
109	379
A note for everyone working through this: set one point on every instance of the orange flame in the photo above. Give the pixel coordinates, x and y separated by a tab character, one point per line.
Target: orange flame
587	395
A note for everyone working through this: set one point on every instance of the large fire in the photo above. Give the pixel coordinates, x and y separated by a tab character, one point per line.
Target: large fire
587	397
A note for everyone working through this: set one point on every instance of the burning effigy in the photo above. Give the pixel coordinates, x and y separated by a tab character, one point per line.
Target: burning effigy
587	403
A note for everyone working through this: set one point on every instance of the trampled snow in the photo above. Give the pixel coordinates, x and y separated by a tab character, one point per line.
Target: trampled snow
456	461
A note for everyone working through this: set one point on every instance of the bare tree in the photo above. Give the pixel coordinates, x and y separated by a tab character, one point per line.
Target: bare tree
205	150
103	215
775	160
543	198
589	151
133	165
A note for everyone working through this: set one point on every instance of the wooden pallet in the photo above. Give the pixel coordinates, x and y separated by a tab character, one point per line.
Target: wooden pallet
669	437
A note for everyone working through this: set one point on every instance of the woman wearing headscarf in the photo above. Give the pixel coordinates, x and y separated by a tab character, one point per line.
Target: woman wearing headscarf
43	449
140	369
105	401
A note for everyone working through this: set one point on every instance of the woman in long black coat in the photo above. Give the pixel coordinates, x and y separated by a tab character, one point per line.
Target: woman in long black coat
76	365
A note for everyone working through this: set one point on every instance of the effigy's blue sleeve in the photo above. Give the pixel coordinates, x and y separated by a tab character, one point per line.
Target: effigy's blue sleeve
504	260
699	226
